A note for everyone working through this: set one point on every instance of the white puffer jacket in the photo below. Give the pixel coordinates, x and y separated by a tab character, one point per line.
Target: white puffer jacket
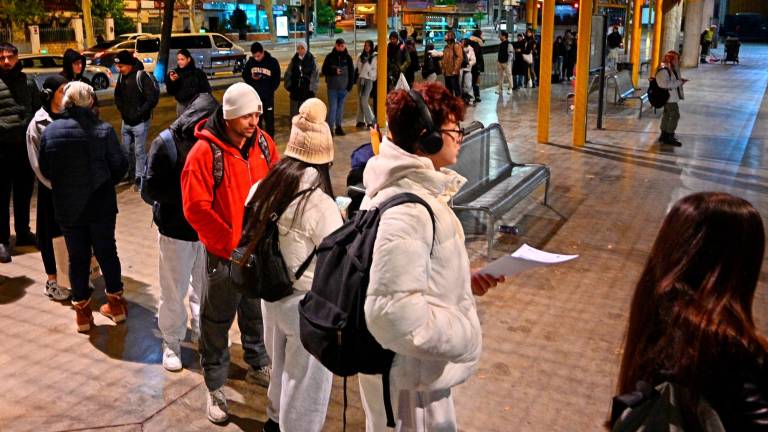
299	237
420	305
39	122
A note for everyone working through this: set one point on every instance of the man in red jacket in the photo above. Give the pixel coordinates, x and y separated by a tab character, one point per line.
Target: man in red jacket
231	155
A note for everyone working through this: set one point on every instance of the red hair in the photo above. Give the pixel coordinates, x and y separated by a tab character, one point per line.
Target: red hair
403	114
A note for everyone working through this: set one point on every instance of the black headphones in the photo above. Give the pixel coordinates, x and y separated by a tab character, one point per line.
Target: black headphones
46	94
431	140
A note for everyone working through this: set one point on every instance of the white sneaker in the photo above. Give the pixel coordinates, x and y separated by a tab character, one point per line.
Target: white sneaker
216	405
55	292
259	376
172	356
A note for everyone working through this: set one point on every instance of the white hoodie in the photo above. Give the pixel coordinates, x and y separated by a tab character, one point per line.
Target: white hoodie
420	305
39	122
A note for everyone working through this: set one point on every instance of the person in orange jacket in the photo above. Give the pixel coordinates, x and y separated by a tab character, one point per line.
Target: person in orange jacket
231	155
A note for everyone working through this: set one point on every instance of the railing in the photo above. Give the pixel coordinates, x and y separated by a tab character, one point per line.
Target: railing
57	34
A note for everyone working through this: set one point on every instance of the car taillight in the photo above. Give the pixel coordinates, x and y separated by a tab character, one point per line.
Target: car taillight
99	54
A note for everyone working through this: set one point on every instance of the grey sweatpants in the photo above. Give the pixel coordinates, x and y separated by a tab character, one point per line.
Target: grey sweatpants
670	117
219	304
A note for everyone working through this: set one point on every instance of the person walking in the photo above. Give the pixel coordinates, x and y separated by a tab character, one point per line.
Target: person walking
476	42
366	70
614	42
186	81
182	263
398	60
74	66
690	319
262	72
136	96
668	77
519	65
339	71
419	301
505	58
530	52
453	55
299	191
52	98
81	156
431	67
19	100
301	77
558	56
466	73
413	62
232	153
569	59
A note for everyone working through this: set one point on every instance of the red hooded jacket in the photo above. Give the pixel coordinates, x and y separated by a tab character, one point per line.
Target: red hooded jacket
218	217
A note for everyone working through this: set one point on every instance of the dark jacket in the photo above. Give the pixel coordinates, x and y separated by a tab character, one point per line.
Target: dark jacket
71	56
477	46
163	181
19	101
269	71
301	77
135	106
558	50
614	40
81	156
519	66
398	60
339	60
191	82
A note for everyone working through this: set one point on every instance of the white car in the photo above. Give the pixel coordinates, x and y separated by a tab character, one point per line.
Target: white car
361	22
41	66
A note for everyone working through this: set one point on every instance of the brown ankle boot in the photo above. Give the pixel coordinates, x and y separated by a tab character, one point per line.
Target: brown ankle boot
116	307
84	317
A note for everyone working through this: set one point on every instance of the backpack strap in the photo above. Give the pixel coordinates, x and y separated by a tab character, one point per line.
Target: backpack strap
218	166
139	73
264	147
168	141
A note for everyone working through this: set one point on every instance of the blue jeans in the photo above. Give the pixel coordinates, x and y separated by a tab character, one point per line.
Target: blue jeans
134	141
336	100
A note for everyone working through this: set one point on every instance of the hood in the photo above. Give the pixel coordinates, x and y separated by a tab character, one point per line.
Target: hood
476	39
15	71
393	165
183	128
190	66
71	56
213	129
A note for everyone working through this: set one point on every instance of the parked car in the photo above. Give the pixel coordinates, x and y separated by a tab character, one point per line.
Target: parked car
41	67
91	52
212	52
145	48
361	22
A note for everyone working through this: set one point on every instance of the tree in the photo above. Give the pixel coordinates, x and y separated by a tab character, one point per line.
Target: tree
270	19
325	14
165	37
20	11
115	9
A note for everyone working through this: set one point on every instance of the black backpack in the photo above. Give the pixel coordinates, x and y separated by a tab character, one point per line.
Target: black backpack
660	408
262	273
657	96
332	316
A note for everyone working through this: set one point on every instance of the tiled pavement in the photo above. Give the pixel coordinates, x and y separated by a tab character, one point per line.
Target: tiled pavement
551	336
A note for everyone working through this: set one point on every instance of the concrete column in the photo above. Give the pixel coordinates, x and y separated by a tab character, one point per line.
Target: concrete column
694	13
77	25
673	16
109	28
709	13
34	39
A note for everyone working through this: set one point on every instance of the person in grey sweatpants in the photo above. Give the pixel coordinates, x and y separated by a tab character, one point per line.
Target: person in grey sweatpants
668	77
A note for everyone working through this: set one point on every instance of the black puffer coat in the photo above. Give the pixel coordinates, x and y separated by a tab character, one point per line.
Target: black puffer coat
81	156
19	101
163	182
191	82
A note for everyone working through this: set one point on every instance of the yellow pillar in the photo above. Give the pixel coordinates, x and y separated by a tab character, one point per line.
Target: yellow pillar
381	65
582	74
535	17
658	15
545	69
90	40
529	5
637	33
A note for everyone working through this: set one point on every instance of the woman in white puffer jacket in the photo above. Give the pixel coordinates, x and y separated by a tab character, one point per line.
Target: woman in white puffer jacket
300	386
420	300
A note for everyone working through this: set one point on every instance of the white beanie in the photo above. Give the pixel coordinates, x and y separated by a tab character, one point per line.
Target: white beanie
241	99
311	140
77	93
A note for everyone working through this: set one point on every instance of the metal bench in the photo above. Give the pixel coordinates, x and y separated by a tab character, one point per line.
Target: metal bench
495	183
624	90
594	85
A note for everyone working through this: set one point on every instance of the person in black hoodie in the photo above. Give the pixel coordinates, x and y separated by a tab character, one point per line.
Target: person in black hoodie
19	100
339	71
182	255
74	66
82	158
301	77
476	42
262	72
136	95
186	81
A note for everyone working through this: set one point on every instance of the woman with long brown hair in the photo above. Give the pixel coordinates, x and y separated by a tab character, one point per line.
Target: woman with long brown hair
691	318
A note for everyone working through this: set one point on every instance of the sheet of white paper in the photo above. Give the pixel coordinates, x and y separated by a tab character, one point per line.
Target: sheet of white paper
525	258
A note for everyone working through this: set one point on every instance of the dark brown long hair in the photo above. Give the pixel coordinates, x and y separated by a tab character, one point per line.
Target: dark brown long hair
693	303
276	192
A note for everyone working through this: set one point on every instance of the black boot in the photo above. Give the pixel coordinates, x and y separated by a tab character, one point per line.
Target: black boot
664	138
5	253
271	426
339	131
674	141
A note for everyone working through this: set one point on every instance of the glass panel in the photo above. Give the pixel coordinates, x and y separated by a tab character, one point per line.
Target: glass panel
190	42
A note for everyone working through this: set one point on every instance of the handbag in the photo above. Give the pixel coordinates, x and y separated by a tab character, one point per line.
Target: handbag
62	264
528	58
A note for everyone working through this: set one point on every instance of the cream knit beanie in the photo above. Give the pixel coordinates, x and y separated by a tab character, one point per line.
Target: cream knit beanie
241	99
311	139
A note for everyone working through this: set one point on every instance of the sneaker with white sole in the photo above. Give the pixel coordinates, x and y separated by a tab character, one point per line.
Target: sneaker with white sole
55	292
258	376
216	405
172	356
